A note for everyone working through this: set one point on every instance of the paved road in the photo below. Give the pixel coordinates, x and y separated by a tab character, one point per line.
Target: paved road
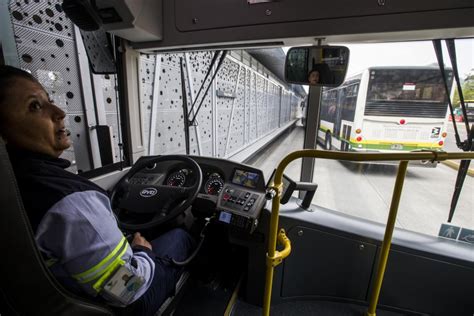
365	190
450	144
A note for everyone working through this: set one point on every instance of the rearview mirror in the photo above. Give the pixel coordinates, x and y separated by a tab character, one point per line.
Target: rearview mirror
317	65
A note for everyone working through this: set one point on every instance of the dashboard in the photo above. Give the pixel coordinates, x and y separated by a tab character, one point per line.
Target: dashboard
213	179
234	192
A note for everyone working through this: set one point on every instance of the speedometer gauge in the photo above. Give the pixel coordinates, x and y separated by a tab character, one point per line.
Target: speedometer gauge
214	184
176	179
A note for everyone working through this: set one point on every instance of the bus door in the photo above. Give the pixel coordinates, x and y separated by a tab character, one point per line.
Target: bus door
337	121
348	113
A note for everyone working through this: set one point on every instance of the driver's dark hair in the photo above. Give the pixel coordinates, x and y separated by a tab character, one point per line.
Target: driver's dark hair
8	75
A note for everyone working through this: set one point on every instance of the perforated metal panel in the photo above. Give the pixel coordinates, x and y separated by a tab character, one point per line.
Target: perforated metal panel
226	82
245	110
109	104
237	139
100	57
253	107
147	78
47	47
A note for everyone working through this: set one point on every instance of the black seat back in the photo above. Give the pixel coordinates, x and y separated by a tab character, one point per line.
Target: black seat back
27	285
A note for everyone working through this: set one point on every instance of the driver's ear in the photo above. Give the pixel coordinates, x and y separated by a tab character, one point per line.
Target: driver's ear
2	137
2	124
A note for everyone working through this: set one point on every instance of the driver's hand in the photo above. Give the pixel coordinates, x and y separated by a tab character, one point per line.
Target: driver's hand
140	241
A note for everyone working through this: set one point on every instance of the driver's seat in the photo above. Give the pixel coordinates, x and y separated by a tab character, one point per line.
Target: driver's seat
27	286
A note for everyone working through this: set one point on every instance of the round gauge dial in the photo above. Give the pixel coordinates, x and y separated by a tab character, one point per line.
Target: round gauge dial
176	179
214	184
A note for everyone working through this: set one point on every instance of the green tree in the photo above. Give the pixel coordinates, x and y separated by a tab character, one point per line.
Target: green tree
467	90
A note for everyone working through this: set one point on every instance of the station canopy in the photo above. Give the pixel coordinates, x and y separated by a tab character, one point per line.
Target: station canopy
274	60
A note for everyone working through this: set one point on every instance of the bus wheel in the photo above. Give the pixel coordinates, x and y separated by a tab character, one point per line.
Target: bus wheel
328	141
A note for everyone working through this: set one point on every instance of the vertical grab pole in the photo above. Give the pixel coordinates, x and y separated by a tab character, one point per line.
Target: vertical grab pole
272	239
387	240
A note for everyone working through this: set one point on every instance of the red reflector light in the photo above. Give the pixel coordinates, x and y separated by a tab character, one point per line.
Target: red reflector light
358	131
359	138
440	143
444	134
403	122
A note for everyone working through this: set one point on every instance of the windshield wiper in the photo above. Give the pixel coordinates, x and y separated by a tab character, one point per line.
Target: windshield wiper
466	145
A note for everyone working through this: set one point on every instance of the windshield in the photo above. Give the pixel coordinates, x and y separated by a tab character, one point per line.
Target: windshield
250	115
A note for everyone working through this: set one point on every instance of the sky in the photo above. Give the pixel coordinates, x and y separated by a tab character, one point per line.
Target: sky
406	54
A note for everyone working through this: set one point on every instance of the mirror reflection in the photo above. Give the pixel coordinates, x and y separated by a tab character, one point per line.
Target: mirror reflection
317	65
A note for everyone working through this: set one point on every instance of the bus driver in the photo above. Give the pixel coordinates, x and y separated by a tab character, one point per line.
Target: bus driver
71	217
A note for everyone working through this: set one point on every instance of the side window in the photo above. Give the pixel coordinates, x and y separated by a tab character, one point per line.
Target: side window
44	42
350	100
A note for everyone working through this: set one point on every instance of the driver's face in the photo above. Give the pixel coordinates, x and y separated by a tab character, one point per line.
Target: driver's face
31	121
313	77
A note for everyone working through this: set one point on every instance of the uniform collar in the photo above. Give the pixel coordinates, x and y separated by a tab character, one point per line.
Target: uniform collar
18	155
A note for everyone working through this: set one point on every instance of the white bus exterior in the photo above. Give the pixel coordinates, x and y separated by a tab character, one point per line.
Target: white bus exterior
387	109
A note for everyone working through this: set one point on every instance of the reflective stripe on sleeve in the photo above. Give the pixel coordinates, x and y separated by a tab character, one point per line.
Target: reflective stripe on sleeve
51	262
111	269
103	266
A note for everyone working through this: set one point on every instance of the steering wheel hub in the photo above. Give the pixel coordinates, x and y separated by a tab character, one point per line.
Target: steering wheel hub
159	201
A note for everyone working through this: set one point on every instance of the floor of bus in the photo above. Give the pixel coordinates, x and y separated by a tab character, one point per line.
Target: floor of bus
210	293
215	275
206	299
302	308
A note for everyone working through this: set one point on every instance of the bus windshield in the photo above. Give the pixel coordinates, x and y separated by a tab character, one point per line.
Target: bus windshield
407	85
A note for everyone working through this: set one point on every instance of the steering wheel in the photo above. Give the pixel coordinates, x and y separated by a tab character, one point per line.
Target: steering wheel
154	204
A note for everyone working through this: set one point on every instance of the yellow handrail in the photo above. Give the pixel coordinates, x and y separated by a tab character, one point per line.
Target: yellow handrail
274	258
280	255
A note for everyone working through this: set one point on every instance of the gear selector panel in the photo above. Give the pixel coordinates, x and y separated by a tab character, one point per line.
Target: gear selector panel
240	207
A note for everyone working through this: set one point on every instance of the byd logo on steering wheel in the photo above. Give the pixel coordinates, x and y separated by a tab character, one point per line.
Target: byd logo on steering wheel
148	192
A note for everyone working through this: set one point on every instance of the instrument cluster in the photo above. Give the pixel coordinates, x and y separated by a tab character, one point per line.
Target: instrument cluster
214	184
213	181
178	178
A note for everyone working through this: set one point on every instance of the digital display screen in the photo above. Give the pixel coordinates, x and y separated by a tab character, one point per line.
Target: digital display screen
245	178
225	217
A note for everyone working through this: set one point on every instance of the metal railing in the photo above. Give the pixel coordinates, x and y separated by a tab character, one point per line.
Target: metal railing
275	257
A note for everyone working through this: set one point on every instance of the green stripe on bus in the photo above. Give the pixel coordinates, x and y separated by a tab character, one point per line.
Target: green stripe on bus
324	129
389	146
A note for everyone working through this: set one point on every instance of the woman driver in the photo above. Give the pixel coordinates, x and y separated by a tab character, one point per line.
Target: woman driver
74	225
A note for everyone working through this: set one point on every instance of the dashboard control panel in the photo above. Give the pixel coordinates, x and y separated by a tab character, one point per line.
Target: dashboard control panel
240	207
233	191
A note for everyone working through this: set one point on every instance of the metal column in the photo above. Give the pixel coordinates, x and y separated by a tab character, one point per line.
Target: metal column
193	97
88	98
311	133
154	106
